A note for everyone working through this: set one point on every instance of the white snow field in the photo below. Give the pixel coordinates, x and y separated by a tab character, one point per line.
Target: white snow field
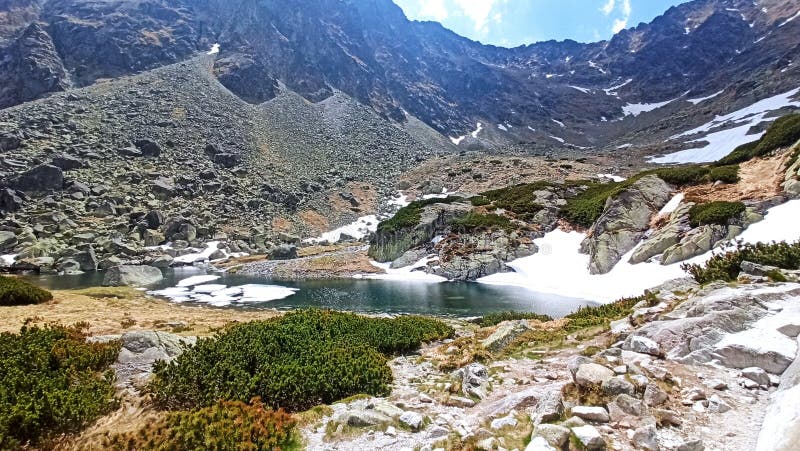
725	133
560	268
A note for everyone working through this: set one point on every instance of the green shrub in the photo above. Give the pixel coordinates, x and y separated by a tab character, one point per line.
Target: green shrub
494	319
474	221
684	175
719	212
724	174
410	215
782	133
740	154
727	265
602	315
224	426
585	208
295	362
52	381
479	201
518	199
18	292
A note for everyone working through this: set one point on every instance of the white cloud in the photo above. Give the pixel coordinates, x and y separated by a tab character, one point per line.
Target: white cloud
433	9
608	8
622	22
478	11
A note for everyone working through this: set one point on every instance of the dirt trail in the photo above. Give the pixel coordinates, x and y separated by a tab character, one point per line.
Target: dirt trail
761	179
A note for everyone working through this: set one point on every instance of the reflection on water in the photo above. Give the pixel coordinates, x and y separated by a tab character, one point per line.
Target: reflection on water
369	296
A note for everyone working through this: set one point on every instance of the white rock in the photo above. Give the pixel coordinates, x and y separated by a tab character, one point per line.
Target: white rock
598	414
500	423
411	419
592	374
539	444
642	345
589	437
764	348
757	375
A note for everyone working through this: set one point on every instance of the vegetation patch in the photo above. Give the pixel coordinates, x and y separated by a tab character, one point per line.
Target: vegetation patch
518	199
475	221
409	216
224	426
719	212
494	319
783	132
52	381
727	266
294	362
18	292
585	208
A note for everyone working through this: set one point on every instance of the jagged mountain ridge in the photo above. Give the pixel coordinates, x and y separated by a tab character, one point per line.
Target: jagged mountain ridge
370	51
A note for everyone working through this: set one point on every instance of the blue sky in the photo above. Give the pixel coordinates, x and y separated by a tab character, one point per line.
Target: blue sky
510	23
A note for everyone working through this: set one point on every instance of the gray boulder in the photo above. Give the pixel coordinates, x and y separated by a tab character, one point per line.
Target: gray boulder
697	242
7	240
592	374
283	252
39	179
589	437
665	237
120	276
505	334
624	222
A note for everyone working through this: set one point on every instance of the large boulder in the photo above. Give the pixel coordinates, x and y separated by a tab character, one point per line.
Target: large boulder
665	237
697	242
283	252
7	240
624	222
764	348
40	179
389	245
120	276
505	334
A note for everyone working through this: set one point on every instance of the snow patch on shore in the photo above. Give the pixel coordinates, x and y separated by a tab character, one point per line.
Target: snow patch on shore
220	295
413	273
560	268
214	49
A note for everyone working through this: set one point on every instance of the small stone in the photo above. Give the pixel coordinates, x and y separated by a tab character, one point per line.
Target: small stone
536	444
555	435
691	445
646	438
757	375
592	374
717	384
617	386
589	437
412	420
642	345
716	404
597	414
654	395
501	423
438	432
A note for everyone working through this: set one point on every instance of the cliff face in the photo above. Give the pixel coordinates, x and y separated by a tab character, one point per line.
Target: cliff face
370	51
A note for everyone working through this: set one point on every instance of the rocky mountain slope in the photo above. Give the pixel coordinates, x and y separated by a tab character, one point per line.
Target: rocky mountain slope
403	69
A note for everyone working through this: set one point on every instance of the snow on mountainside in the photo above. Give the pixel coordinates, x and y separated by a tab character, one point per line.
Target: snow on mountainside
404	69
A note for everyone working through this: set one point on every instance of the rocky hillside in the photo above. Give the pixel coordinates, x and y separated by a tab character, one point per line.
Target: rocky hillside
317	48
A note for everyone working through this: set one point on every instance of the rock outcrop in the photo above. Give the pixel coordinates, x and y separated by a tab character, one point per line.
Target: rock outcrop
624	222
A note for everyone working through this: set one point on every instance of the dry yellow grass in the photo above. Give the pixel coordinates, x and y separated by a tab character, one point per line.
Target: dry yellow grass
117	310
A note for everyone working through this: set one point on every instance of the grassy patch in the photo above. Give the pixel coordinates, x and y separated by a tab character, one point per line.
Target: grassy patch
585	208
518	199
409	216
18	292
295	362
222	426
782	133
51	381
719	212
727	266
494	319
474	222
